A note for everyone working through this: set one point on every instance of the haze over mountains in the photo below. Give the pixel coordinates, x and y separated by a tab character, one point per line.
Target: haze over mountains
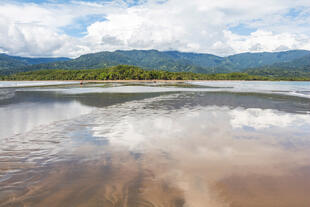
14	63
293	62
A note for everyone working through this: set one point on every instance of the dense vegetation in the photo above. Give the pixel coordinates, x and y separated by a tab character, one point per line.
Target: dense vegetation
171	61
123	72
243	61
297	68
147	59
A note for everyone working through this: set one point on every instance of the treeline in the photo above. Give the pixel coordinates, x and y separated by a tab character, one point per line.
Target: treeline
125	72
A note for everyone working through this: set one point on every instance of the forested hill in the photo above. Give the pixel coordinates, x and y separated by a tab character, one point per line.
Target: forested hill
297	68
124	72
175	61
172	61
148	59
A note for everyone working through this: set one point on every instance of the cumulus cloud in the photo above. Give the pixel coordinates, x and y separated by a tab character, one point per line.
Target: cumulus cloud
197	26
267	41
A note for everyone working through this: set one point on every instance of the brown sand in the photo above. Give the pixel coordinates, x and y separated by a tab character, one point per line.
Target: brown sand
111	182
267	191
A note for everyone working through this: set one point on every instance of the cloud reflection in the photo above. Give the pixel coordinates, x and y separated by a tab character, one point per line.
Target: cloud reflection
20	118
196	148
148	146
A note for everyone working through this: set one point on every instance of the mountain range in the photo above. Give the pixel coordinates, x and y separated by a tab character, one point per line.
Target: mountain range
11	64
293	62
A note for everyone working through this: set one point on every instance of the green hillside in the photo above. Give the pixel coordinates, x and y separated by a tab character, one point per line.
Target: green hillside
255	60
172	61
148	59
297	68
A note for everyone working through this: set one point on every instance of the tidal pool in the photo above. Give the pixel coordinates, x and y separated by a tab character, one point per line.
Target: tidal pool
192	145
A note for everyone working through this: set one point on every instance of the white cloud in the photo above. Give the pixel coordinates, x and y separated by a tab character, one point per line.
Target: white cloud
198	26
26	39
267	41
30	29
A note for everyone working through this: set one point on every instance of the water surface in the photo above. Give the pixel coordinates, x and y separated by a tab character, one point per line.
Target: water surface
196	144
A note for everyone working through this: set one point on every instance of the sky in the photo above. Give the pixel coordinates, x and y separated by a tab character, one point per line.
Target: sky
70	28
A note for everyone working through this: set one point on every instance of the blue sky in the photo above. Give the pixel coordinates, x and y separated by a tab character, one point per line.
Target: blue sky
129	2
51	1
74	27
79	27
242	29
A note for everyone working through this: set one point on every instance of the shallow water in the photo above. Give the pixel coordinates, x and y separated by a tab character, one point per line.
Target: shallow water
13	84
154	145
292	88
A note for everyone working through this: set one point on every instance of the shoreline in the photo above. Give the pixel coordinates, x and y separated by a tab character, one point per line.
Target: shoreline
148	81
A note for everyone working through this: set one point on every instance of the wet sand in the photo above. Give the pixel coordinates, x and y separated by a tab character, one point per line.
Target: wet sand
125	181
117	182
162	150
261	191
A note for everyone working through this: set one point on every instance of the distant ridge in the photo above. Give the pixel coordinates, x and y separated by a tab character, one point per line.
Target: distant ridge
299	67
12	63
174	61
